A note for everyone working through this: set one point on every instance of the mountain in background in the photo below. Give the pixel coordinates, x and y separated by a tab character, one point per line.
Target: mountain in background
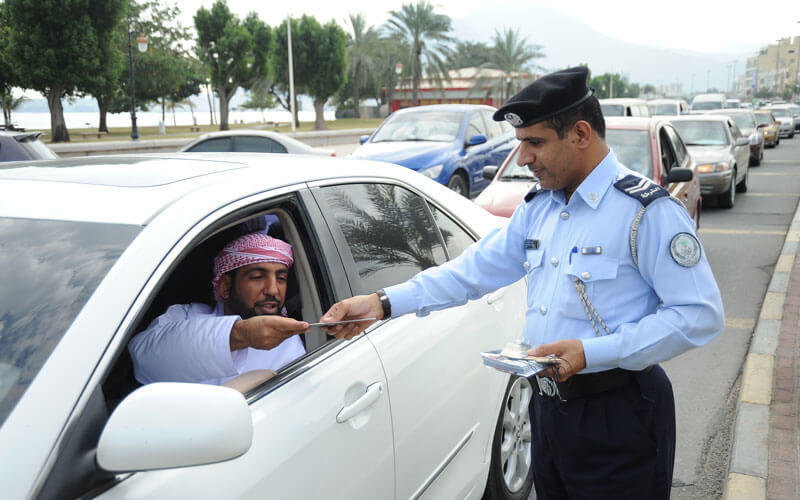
567	42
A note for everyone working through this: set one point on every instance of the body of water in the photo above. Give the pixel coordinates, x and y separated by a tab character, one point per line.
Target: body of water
79	119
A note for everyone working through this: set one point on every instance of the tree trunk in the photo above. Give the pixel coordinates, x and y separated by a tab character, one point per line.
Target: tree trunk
163	109
319	110
58	127
223	109
356	82
102	105
296	112
6	113
415	81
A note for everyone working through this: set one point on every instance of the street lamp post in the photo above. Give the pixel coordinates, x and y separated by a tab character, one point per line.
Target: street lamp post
141	44
777	57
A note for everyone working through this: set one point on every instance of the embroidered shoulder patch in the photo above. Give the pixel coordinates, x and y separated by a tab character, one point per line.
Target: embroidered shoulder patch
644	190
536	189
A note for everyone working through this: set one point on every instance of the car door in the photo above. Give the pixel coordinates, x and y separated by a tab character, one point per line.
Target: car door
500	138
444	402
321	427
741	151
477	156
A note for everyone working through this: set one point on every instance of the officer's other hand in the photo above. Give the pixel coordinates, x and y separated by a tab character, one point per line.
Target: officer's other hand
264	332
360	306
571	357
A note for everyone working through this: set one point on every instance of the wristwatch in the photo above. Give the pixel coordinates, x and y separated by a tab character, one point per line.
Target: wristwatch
385	304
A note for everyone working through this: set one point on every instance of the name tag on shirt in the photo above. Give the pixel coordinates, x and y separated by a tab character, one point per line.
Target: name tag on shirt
592	250
531	244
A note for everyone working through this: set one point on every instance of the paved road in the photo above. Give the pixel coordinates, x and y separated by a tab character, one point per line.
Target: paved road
742	244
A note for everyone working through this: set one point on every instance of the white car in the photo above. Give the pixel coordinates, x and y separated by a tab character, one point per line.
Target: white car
251	141
93	248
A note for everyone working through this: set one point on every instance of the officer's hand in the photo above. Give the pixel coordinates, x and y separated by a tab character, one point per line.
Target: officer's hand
360	306
572	359
264	332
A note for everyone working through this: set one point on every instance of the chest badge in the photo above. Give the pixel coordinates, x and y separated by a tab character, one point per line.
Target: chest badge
531	244
685	249
592	250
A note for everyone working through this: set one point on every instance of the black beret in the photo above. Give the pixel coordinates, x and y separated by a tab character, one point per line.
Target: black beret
546	97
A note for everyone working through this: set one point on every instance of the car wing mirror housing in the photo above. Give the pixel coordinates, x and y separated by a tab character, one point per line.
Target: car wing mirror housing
363	139
476	139
488	172
761	125
680	175
742	141
166	425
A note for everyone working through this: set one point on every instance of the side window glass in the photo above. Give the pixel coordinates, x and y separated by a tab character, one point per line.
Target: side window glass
667	156
455	238
677	145
217	145
276	147
475	126
493	127
388	231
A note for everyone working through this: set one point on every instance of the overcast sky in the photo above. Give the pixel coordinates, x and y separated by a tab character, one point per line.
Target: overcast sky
696	25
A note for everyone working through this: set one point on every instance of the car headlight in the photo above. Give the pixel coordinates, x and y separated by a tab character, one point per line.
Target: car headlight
753	139
713	167
432	172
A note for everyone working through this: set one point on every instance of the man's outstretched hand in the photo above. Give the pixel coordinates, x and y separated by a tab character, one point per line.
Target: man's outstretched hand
571	358
360	306
264	332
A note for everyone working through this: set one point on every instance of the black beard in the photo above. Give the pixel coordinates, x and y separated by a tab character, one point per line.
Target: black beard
237	306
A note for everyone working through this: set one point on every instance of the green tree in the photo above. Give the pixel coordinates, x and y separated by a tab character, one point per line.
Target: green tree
426	35
468	54
8	77
234	51
362	48
259	97
513	55
621	86
55	45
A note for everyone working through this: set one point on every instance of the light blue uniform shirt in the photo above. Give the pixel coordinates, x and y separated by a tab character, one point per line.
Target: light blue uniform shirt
654	311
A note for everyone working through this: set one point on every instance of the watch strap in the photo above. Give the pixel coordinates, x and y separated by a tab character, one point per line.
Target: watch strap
385	304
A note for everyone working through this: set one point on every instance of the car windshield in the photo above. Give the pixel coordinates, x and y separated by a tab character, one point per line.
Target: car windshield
438	126
702	133
744	121
49	271
763	118
703	105
781	113
613	109
632	148
663	109
514	172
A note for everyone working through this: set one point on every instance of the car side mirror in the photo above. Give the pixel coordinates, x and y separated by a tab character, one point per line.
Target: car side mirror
761	125
742	141
476	139
679	175
488	172
363	139
167	425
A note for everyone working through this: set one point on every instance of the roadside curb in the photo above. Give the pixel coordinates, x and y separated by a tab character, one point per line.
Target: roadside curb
748	466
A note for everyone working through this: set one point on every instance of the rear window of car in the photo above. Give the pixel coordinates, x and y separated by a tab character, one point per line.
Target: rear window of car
704	105
633	149
702	133
743	120
613	109
764	118
663	109
49	271
215	145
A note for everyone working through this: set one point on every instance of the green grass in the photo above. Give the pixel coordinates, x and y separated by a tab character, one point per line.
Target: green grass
180	131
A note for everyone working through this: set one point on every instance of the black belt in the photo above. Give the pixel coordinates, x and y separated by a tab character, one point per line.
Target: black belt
587	384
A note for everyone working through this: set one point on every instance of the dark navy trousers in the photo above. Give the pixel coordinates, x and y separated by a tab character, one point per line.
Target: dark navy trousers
619	444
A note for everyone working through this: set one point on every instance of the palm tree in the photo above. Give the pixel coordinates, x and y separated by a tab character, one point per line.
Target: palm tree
362	44
512	55
426	34
9	103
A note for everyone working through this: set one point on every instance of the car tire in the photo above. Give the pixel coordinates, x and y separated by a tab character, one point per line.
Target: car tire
727	198
742	186
458	184
511	477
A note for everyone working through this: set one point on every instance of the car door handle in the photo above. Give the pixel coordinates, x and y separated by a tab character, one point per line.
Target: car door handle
373	393
495	296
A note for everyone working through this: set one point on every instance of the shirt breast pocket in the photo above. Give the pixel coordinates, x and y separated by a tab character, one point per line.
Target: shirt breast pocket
533	270
598	273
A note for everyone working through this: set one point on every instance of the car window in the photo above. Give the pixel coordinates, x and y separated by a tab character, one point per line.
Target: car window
475	126
494	128
744	120
668	158
735	132
765	118
613	109
663	109
513	170
255	144
632	148
456	239
702	133
439	126
388	231
51	269
215	145
677	145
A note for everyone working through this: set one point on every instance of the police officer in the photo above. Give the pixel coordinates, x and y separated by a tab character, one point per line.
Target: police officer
617	282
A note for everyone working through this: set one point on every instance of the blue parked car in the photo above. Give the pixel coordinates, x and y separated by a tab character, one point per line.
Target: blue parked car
450	143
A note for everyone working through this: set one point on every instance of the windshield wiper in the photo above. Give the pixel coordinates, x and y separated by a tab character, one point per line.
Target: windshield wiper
518	177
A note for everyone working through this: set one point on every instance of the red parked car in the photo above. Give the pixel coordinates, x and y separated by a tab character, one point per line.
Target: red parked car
650	146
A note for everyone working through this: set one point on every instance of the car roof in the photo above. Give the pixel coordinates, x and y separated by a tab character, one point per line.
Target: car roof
702	117
622	100
666	101
444	107
630	122
132	189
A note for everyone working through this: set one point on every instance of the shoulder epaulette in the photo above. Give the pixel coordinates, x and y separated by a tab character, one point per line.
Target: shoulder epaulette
536	189
641	188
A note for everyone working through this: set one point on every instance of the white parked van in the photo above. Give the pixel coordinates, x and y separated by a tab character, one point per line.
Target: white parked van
624	106
706	102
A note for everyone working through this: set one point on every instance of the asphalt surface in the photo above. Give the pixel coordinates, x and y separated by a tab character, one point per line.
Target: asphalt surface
743	245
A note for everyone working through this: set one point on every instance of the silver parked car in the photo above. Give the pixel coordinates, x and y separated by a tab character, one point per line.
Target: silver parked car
251	141
748	125
785	114
721	152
